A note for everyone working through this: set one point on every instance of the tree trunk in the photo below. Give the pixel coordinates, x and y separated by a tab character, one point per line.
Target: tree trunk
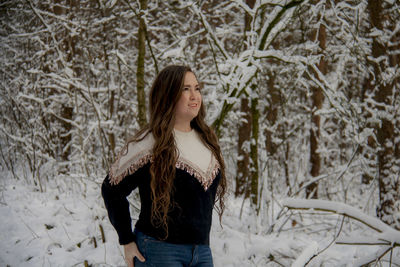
140	83
69	48
272	113
317	101
244	132
388	177
243	162
254	172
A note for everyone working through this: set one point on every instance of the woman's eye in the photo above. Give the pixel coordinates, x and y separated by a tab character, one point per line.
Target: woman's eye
185	88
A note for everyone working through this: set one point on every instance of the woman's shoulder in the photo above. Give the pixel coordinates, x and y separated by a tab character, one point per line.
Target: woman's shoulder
144	141
134	155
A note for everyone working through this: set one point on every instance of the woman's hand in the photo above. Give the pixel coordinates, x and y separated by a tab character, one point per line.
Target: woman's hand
132	251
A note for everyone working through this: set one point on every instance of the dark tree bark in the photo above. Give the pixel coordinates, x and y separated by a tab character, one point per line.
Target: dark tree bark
140	80
243	162
317	101
388	177
69	47
254	171
244	132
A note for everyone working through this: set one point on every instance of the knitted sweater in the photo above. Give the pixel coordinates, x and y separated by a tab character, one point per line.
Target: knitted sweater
194	189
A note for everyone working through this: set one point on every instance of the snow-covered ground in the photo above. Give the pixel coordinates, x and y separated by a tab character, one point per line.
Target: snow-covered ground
61	227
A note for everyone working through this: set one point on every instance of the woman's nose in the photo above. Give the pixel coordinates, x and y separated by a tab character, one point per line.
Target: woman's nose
192	95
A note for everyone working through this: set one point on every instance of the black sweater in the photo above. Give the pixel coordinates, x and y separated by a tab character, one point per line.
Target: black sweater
189	220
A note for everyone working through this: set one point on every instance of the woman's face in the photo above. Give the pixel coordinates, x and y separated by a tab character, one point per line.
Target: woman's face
188	105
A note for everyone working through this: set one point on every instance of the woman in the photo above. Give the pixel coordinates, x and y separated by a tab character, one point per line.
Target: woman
177	164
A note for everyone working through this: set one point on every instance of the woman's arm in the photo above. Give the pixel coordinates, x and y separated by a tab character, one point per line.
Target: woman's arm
118	206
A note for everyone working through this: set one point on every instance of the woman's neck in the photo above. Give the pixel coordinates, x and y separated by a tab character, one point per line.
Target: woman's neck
183	127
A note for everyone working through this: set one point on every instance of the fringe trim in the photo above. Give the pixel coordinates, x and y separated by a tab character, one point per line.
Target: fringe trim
205	179
114	180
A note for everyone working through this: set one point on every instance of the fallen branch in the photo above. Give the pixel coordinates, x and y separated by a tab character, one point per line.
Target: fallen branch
386	236
346	210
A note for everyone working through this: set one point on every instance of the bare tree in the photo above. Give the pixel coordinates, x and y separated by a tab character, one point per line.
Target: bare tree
318	35
244	133
383	84
140	78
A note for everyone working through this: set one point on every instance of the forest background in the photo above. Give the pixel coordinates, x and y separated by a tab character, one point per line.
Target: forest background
304	96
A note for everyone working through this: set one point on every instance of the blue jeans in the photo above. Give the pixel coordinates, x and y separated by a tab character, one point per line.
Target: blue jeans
159	253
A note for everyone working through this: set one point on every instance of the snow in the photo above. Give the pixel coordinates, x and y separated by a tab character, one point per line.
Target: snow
61	227
306	255
176	52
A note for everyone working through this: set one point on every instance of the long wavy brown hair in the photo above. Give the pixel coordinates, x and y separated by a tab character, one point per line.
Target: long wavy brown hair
164	95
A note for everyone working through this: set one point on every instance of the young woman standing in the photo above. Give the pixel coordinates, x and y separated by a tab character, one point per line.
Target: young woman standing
176	163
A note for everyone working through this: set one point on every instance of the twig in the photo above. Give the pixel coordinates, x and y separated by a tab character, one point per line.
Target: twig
330	244
65	230
103	238
378	258
35	235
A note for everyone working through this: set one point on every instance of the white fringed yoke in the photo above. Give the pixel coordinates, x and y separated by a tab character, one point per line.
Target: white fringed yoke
194	157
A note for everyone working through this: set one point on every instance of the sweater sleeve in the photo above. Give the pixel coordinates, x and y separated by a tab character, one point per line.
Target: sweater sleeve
117	205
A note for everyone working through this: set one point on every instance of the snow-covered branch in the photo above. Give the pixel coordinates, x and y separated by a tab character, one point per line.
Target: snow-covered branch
346	210
386	234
